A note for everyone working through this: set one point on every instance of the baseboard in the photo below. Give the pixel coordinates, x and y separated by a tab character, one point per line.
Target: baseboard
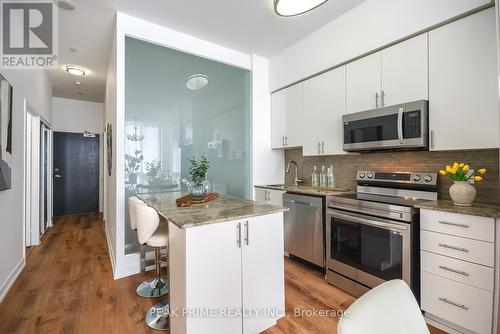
4	289
110	250
444	325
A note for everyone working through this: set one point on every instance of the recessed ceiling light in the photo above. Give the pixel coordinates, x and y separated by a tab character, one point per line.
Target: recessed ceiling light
65	4
295	7
75	70
196	81
77	83
71	49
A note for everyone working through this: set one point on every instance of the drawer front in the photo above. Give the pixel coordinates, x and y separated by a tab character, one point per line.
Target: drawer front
461	304
473	227
480	252
461	271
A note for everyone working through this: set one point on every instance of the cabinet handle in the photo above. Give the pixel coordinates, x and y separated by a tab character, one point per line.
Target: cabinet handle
319	148
382	96
454	270
286	141
322	147
446	300
282	140
238	236
454	224
455	248
376	100
432	139
247	233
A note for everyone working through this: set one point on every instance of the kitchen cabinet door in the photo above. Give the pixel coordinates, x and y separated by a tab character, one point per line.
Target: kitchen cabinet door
463	84
278	118
363	84
213	277
293	135
263	272
404	72
324	105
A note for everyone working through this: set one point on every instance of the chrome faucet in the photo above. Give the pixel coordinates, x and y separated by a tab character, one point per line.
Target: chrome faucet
297	180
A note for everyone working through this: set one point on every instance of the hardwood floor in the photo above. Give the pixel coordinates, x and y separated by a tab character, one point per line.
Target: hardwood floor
67	287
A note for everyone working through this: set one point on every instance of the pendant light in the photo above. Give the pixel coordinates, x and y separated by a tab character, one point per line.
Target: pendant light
135	136
295	7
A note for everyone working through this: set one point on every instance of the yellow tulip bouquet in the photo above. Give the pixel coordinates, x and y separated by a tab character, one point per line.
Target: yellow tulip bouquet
462	172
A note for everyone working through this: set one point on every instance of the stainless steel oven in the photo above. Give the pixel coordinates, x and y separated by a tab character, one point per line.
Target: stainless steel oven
372	235
402	126
366	249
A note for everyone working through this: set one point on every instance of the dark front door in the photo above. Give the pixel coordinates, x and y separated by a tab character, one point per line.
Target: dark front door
76	173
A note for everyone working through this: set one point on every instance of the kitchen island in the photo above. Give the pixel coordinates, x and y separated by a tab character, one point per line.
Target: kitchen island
226	264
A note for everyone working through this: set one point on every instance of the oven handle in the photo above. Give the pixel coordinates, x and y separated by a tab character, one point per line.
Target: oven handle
365	221
400	125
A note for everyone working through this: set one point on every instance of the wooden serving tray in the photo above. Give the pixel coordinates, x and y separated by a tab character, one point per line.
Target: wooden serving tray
187	200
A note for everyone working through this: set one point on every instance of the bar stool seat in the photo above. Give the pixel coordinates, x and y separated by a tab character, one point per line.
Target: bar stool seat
159	237
150	232
157	286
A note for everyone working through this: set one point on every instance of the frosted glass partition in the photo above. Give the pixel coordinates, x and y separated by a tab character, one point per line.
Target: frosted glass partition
167	123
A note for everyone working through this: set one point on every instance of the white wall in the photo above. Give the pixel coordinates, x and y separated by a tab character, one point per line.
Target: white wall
79	116
368	26
35	86
114	112
267	165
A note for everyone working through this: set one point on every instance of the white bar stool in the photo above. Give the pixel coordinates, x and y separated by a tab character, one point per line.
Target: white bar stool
157	286
150	232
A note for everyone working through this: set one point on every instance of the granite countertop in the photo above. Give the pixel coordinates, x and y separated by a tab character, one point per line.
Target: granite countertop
306	190
477	209
224	208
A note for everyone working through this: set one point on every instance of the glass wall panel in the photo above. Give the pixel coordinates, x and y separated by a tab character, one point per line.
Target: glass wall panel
167	123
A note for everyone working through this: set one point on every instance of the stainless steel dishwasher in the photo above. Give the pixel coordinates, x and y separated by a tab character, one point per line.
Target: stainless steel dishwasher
304	237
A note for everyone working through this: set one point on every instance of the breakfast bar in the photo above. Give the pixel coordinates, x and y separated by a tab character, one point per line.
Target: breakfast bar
226	264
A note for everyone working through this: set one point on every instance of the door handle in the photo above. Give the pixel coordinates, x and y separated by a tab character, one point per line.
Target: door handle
400	125
238	235
322	147
382	96
319	148
247	233
376	100
57	176
454	248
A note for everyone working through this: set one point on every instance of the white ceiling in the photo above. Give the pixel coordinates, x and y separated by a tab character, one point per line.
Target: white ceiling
247	25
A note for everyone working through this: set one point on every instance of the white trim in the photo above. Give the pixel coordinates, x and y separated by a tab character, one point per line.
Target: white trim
14	274
110	249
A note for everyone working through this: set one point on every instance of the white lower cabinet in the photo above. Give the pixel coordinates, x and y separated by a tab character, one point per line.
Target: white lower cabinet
461	304
458	263
227	278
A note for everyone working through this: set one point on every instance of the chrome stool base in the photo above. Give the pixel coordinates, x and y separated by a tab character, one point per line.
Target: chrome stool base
158	316
153	288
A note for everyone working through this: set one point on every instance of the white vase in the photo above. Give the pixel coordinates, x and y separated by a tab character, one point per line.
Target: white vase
462	193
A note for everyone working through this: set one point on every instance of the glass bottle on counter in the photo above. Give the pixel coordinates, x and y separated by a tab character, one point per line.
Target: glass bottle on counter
331	178
314	177
323	177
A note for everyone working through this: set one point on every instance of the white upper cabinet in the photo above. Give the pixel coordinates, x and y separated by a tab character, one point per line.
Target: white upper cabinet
463	86
324	105
363	83
286	117
404	72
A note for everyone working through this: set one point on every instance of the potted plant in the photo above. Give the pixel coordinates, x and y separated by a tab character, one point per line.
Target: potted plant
462	192
154	173
132	164
198	171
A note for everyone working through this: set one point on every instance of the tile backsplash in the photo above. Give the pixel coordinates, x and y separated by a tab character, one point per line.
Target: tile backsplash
346	166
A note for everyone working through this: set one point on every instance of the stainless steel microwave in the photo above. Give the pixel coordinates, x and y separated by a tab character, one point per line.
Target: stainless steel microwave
402	126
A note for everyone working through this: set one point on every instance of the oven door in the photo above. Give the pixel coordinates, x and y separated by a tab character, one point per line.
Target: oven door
398	126
367	249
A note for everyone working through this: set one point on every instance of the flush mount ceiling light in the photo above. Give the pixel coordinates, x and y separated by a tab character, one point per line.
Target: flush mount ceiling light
65	4
75	70
295	7
196	81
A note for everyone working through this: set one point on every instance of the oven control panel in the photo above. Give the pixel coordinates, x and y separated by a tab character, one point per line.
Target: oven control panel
421	178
